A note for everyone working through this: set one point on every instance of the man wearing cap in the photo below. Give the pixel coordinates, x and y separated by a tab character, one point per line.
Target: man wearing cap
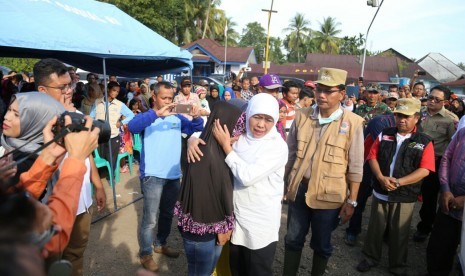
270	83
323	172
373	106
310	84
391	100
439	123
399	159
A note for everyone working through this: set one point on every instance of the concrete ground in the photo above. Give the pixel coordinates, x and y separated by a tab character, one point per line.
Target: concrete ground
113	246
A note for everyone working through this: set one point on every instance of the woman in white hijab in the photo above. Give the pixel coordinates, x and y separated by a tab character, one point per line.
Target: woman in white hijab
257	161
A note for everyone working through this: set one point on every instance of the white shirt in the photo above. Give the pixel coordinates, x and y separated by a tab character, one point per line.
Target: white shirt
400	139
258	191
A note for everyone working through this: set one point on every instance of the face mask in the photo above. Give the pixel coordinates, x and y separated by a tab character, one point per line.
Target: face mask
336	114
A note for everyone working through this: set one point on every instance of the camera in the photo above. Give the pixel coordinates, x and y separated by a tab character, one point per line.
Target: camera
78	123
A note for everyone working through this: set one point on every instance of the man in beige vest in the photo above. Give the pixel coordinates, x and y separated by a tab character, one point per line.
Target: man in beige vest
323	173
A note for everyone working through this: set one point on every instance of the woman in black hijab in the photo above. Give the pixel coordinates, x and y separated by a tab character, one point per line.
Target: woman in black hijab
214	96
205	206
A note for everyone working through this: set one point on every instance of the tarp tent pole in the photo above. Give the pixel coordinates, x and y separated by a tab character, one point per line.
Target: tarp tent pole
107	118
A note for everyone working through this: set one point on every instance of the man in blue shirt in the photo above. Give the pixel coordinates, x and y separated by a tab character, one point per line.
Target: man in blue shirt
160	168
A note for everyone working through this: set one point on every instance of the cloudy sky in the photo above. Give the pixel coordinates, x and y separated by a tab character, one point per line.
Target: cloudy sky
412	27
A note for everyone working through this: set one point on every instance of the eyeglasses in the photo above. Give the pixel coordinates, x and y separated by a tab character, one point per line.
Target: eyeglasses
435	99
184	85
63	89
326	91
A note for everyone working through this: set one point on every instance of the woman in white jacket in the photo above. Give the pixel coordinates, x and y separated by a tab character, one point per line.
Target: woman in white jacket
257	162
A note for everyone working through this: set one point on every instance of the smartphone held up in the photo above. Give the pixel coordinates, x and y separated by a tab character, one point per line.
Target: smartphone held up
182	108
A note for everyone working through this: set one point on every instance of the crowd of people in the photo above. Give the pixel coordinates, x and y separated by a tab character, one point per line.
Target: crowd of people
223	160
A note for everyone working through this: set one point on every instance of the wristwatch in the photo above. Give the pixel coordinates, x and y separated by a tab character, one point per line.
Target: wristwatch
397	183
352	202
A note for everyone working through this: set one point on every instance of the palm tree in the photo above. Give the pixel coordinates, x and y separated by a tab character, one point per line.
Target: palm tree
233	35
195	11
299	28
325	38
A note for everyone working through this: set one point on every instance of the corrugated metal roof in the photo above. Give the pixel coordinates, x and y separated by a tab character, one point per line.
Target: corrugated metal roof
440	67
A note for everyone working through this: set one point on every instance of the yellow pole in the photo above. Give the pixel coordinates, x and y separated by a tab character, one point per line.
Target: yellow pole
267	49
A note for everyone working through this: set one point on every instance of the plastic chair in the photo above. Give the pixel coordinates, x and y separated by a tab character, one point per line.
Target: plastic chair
136	143
102	162
117	169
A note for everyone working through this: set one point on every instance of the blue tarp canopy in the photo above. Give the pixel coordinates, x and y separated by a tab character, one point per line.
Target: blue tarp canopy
84	33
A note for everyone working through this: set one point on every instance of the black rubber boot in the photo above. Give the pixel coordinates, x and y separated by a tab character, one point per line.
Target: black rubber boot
291	262
319	265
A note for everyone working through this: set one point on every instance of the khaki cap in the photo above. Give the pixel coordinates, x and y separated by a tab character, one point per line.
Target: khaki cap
331	76
408	106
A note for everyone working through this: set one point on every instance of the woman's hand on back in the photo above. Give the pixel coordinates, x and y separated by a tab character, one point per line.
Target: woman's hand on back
221	134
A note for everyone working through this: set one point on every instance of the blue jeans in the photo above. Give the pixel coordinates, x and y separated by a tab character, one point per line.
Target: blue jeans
301	217
159	196
201	256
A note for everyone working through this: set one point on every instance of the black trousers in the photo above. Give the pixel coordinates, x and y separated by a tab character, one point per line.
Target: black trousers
247	262
442	245
429	191
103	150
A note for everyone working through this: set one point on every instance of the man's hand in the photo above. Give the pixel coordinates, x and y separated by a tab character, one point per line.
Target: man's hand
101	198
387	183
165	111
193	151
447	199
195	111
54	152
81	144
67	101
459	202
346	212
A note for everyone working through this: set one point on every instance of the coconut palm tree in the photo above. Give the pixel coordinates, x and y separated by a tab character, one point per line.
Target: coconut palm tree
299	28
233	35
325	38
195	11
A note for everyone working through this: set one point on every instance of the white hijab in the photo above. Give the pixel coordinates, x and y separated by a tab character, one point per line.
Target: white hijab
247	147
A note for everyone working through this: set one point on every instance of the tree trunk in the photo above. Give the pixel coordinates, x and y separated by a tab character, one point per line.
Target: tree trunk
206	19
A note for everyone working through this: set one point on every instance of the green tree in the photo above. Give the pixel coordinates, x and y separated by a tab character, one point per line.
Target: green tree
276	54
254	36
299	28
461	65
163	16
325	38
19	64
351	45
